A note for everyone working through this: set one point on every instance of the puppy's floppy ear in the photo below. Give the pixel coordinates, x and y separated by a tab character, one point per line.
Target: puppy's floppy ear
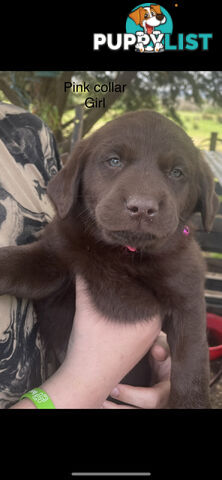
208	202
136	15
156	9
63	188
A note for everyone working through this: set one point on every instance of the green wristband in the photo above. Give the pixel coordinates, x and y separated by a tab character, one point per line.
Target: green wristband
39	398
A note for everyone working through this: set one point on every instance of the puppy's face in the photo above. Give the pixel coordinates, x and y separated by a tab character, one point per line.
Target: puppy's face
141	179
148	17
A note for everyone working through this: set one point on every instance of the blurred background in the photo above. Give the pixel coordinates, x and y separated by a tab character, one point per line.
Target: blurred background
191	98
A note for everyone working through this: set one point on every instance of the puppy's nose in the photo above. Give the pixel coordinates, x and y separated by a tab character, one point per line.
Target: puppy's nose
137	206
159	16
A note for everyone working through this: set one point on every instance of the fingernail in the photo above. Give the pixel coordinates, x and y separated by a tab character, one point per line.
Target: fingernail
115	392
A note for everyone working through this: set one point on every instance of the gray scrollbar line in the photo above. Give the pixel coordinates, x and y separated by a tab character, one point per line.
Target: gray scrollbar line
111	474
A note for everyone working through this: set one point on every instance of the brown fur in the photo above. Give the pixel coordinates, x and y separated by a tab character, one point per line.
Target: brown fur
140	203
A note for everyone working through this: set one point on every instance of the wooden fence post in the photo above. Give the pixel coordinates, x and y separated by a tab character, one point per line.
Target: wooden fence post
213	141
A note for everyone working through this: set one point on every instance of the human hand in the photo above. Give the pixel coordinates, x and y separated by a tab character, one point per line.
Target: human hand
153	397
102	352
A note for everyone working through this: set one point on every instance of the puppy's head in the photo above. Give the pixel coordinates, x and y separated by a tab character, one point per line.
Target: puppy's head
139	178
148	17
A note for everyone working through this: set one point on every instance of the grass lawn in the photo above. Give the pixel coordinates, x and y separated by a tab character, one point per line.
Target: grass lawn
200	125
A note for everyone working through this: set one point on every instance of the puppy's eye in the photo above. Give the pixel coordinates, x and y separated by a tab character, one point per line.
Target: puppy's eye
153	14
176	173
114	162
146	15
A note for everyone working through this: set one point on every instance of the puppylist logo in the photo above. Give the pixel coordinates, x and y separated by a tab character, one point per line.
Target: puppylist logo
149	23
149	27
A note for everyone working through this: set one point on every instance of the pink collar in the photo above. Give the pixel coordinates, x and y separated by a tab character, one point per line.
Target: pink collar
131	249
186	232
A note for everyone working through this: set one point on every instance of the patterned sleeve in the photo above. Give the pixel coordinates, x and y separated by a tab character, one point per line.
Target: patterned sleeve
28	159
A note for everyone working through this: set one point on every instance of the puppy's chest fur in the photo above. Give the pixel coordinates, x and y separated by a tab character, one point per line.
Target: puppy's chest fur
129	294
129	286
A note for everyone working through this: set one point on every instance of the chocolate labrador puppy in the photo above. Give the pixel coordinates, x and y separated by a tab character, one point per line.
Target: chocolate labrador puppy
124	202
